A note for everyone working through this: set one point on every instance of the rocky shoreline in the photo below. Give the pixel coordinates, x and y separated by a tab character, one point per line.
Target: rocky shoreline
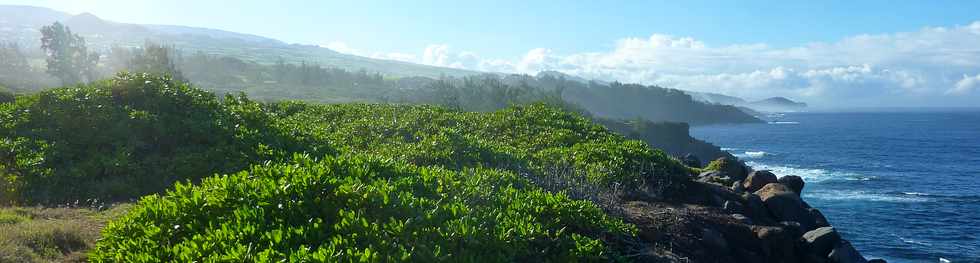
735	214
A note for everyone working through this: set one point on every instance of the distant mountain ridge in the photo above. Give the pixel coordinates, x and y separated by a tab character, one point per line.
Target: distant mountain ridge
229	62
773	104
21	24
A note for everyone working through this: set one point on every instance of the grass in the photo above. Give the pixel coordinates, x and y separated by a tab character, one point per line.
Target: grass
38	234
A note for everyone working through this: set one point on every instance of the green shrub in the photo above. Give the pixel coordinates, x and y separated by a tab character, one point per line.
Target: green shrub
729	166
127	137
360	209
527	139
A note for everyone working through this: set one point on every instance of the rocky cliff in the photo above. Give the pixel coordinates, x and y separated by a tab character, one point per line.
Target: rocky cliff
734	214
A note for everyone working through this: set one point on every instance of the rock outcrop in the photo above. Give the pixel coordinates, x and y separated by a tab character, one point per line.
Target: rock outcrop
757	179
757	218
793	182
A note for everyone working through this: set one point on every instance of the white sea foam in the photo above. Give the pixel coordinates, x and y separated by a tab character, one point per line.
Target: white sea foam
784	122
913	241
853	195
808	174
728	149
751	154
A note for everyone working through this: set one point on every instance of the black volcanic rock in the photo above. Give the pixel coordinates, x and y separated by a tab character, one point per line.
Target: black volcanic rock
785	205
822	240
757	179
793	182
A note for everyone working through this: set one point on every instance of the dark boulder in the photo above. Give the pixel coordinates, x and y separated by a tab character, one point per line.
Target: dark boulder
877	260
785	205
818	219
691	161
756	209
844	252
729	166
737	187
793	182
734	207
822	240
778	245
757	179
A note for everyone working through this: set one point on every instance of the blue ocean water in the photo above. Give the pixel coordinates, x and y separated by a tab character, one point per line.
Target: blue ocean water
903	186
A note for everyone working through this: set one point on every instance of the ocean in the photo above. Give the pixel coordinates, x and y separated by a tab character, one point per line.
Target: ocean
902	186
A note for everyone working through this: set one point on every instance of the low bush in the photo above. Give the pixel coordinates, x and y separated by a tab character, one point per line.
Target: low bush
360	209
126	137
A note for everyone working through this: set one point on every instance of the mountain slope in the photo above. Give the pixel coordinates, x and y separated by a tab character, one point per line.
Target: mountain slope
21	24
777	104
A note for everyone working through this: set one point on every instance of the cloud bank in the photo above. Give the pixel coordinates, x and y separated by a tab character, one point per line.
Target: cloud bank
934	66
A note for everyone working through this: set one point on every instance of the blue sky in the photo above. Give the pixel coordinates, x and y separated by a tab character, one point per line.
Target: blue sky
509	27
829	53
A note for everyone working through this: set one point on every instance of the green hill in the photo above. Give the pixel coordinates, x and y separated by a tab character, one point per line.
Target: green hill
20	24
378	181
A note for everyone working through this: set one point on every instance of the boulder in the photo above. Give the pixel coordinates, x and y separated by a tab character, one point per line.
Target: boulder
757	179
793	182
822	240
844	252
729	166
737	187
818	219
734	207
785	205
756	209
691	161
877	260
777	244
792	228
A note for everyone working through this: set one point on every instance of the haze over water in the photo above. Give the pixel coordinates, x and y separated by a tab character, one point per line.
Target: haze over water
899	185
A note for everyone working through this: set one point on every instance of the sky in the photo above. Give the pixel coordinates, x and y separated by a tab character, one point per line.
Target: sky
828	53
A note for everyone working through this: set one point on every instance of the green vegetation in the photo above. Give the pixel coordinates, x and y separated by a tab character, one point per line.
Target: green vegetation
126	137
68	57
422	182
360	209
51	234
288	79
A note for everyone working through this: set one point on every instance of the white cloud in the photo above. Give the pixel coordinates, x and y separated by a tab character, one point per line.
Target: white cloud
966	85
873	70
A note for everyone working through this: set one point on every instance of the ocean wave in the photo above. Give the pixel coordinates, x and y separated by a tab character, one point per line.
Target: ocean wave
784	122
855	195
914	242
751	154
810	175
728	149
955	198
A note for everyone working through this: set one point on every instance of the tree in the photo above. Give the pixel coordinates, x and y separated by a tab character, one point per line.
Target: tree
156	59
13	64
68	58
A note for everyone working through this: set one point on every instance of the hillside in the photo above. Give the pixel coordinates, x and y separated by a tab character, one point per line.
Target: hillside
754	108
777	104
369	182
20	24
